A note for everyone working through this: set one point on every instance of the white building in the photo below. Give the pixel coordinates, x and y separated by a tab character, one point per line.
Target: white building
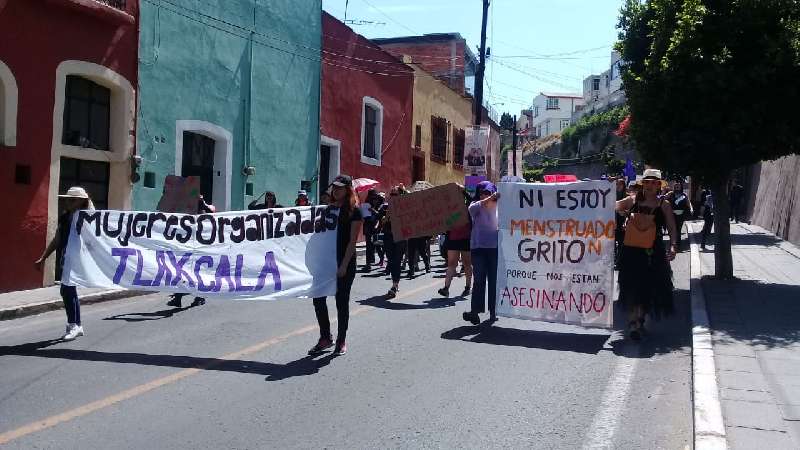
552	112
603	91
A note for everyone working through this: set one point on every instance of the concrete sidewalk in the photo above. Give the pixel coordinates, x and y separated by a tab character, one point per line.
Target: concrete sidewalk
14	305
755	329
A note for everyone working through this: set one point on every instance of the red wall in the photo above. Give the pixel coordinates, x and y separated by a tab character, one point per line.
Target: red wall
438	58
36	36
343	90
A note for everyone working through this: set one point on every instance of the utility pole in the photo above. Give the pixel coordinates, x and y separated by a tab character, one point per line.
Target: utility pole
481	67
514	145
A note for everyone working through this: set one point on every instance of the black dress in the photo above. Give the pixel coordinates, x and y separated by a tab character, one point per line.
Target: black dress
645	276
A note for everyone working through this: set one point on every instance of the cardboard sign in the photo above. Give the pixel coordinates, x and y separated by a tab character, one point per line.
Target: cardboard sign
181	195
428	212
556	252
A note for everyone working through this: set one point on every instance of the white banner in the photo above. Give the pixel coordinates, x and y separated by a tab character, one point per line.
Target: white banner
556	252
476	145
242	255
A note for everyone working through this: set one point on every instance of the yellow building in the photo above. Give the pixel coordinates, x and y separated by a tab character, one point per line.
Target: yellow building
441	116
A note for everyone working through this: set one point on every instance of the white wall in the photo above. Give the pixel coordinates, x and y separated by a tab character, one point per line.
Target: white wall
550	119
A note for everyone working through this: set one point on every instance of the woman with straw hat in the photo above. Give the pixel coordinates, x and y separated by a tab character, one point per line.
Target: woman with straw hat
645	276
75	199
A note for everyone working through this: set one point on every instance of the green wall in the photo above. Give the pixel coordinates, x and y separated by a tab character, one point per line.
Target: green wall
196	63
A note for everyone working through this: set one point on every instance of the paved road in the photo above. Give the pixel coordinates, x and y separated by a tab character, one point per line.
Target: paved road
236	375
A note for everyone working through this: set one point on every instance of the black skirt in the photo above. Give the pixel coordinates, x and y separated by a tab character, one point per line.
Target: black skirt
645	279
460	245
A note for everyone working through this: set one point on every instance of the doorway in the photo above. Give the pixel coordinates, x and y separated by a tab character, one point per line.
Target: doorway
418	168
324	166
198	160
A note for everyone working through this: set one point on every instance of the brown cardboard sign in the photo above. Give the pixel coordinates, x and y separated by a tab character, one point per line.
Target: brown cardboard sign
428	212
181	195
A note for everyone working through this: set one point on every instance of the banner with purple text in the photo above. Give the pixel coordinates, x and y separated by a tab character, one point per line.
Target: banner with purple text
556	252
266	254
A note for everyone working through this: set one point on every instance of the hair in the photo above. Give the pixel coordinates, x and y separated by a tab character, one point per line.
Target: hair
350	200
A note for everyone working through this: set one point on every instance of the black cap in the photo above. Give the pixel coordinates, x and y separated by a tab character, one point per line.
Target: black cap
342	181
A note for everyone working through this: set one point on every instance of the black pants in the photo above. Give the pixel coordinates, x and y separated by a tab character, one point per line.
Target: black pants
394	253
369	226
708	224
72	305
418	247
679	219
343	286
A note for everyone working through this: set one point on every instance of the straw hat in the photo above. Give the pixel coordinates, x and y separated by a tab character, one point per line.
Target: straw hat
75	192
651	174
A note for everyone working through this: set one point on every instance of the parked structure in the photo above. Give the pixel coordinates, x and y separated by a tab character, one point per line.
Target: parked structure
552	112
236	104
366	119
67	117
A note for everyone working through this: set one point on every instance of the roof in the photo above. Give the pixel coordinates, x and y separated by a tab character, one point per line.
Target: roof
560	95
430	37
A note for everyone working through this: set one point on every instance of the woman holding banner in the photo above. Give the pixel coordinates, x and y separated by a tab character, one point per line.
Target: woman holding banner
75	199
645	276
483	244
347	230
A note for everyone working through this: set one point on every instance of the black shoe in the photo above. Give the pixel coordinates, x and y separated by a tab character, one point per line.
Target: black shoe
410	275
392	293
175	302
366	269
466	292
472	318
198	301
444	292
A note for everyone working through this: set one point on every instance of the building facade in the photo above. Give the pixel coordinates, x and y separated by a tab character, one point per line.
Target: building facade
366	114
236	105
604	91
67	117
552	112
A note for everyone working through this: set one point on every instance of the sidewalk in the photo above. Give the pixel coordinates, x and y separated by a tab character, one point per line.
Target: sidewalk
755	329
14	305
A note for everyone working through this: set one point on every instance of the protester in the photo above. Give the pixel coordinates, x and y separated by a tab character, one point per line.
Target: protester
681	209
483	245
619	235
270	201
370	214
302	198
707	210
419	247
348	228
75	199
645	277
735	194
456	246
176	299
394	250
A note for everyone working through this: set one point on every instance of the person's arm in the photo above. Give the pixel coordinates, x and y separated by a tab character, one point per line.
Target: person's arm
51	247
671	229
485	202
625	204
351	249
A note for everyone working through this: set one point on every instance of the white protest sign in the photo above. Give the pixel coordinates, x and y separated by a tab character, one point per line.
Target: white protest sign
267	254
556	252
476	144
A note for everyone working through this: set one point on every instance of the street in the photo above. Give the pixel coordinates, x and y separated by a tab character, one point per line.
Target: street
234	374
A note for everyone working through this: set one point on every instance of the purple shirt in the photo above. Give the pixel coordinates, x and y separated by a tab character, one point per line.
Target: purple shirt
484	225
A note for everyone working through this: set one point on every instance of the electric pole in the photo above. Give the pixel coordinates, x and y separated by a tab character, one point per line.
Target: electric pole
514	146
481	67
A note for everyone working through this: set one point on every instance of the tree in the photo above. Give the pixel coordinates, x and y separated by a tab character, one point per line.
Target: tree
712	86
506	121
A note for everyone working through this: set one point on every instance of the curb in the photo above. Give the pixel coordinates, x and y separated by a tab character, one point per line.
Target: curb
709	426
18	312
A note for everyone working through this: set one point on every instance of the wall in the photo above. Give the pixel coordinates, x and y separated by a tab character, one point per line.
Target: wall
264	96
553	117
434	98
443	59
101	42
353	69
776	204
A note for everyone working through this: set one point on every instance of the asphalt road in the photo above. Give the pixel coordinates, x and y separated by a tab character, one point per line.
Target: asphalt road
235	375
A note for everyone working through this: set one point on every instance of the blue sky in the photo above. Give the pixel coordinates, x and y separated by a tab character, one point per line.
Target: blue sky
556	42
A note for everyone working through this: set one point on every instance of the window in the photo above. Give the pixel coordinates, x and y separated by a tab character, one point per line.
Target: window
418	138
150	180
564	123
439	139
459	137
87	114
539	131
371	132
552	103
596	84
535	111
22	174
91	175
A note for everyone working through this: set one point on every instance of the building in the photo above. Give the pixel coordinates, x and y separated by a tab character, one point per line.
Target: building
237	104
493	163
67	117
603	91
446	56
441	117
552	112
366	114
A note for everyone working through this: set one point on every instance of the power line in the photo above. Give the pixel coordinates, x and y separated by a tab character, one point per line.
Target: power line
389	17
544	80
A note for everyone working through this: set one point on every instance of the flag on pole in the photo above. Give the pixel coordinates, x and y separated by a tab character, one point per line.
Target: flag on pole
629	171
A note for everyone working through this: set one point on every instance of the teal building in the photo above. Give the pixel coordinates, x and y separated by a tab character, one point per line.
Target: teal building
228	91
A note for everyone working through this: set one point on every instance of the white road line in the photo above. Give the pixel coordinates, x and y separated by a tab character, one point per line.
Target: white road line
601	433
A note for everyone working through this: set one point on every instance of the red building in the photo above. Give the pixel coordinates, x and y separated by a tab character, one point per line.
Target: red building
367	100
67	117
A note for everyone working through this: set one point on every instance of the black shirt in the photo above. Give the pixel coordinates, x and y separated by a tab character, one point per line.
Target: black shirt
343	233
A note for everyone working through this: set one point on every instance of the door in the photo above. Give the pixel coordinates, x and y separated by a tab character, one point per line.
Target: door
324	167
418	168
198	161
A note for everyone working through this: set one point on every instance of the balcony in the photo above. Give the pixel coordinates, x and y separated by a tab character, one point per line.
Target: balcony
114	11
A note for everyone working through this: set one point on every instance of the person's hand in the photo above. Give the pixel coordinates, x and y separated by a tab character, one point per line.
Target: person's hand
671	252
341	272
39	264
495	196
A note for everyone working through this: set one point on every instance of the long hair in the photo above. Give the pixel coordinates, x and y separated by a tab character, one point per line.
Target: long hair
350	201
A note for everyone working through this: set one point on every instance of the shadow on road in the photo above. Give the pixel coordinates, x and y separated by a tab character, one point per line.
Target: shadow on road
156	315
379	301
308	365
545	340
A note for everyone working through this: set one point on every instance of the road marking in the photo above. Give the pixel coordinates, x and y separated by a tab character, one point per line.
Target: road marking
66	416
604	425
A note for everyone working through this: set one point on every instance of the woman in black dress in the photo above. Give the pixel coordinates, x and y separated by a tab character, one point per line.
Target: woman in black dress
645	276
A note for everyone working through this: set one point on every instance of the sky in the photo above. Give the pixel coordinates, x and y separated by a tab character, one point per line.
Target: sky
536	45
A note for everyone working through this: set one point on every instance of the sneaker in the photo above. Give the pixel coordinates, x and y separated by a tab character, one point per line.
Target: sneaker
444	292
392	293
341	349
175	302
466	292
74	332
322	345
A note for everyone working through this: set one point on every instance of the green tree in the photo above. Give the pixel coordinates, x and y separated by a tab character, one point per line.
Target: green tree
506	121
712	86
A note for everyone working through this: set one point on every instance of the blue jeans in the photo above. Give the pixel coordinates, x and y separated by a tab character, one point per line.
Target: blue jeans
484	265
69	294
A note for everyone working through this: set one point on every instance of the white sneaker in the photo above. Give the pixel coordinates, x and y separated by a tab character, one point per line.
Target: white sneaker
73	332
